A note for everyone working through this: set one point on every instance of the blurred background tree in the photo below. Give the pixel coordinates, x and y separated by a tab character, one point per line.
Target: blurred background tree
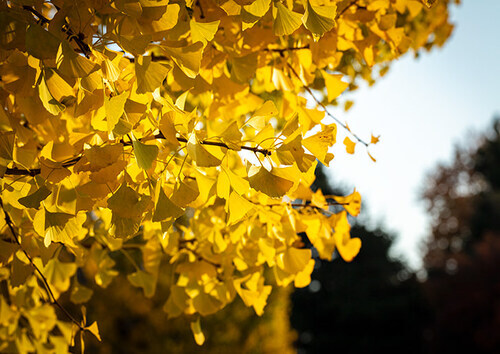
373	302
463	251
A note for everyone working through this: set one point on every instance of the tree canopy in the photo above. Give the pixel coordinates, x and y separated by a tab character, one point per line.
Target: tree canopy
463	249
178	131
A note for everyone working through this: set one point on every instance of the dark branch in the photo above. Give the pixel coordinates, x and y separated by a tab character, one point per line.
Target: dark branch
36	171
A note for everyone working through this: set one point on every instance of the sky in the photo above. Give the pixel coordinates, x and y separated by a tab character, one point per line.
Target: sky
422	108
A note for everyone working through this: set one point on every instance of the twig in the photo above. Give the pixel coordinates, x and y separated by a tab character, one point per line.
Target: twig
283	50
52	298
318	102
36	171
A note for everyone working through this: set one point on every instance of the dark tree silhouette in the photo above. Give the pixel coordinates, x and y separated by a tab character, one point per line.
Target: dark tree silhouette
371	304
463	250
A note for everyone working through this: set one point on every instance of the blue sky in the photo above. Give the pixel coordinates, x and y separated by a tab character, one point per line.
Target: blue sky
421	108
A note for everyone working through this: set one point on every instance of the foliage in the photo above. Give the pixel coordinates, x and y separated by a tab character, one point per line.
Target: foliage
181	128
463	250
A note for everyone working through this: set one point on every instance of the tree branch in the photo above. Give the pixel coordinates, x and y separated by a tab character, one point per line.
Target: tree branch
36	171
318	102
52	298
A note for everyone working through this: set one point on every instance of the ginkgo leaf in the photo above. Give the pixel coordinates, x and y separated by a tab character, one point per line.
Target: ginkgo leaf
303	278
34	199
319	143
319	19
127	206
150	75
80	294
348	247
58	227
258	119
167	127
114	107
374	139
184	194
199	337
41	43
145	154
238	208
294	260
164	207
203	31
269	183
127	203
48	101
187	58
58	274
351	203
199	154
349	145
334	85
71	64
243	68
94	330
258	8
7	146
143	280
286	21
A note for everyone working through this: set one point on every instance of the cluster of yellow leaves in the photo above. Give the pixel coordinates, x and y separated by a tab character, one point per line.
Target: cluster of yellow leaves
177	125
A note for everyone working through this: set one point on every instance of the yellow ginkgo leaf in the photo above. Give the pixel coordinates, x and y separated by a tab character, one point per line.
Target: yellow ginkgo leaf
203	31
286	21
319	143
185	193
199	337
187	58
319	19
34	199
303	278
258	119
294	260
269	183
164	207
71	64
374	139
114	107
334	85
150	75
6	148
48	101
351	203
349	145
143	280
80	294
199	154
94	330
167	127
258	8
145	154
58	274
243	68
238	208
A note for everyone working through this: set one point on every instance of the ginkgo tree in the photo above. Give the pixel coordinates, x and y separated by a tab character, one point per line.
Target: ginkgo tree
187	129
